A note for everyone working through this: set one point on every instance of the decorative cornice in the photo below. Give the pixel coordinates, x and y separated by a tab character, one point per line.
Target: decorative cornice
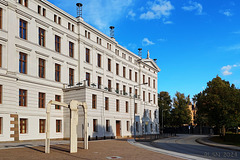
42	23
108	54
5	3
45	48
24	14
88	68
57	59
126	64
99	73
109	76
86	43
3	39
23	47
72	64
42	54
57	30
71	37
98	49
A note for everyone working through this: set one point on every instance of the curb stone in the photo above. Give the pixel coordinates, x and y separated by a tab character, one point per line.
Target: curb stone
218	145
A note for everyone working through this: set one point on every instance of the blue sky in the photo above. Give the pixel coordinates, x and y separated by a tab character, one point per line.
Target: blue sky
193	40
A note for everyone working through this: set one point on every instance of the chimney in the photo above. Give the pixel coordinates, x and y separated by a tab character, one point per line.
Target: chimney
140	52
79	10
112	31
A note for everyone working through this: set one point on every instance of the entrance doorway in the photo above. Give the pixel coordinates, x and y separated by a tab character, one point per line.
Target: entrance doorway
118	128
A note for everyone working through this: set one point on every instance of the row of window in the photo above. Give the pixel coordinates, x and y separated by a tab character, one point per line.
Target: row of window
57	19
95	125
24	126
42	38
42	68
124	56
109	88
94	105
41	99
99	64
109	65
42	11
109	46
23	29
42	126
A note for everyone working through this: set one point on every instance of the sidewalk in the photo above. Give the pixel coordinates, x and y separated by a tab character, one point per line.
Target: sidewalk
102	149
22	144
207	142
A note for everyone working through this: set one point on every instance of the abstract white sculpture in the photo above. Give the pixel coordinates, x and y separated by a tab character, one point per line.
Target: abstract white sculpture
74	122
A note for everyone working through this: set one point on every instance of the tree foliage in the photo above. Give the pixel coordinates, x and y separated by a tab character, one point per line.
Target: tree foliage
219	104
180	112
164	103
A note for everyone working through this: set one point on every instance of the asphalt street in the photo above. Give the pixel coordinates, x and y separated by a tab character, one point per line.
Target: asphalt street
186	144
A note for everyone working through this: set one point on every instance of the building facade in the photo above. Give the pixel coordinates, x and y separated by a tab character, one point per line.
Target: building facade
47	54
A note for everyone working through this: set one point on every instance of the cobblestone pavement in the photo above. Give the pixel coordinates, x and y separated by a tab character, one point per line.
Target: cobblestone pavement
97	150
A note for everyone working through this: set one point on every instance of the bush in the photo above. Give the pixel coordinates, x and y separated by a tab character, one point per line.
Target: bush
232	138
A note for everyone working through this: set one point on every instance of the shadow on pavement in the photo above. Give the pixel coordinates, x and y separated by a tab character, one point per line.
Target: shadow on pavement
42	150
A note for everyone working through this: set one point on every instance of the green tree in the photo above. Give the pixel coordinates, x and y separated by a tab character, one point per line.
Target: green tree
219	105
165	105
180	112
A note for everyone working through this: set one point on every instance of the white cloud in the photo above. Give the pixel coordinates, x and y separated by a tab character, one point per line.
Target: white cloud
167	22
131	14
147	42
157	10
226	70
234	47
102	14
226	12
194	6
226	73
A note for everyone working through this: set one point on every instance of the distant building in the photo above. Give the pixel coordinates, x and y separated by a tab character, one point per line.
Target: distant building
193	109
47	54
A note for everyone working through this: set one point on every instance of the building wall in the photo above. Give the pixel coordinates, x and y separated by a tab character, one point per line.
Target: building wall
12	80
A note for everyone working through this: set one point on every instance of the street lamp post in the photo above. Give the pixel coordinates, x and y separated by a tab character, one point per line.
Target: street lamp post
134	121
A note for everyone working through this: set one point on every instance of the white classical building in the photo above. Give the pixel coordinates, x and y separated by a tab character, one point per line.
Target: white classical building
47	54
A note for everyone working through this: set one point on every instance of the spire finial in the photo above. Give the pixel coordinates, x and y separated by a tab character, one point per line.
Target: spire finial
148	55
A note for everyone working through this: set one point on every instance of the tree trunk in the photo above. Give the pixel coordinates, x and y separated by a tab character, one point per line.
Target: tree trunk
223	130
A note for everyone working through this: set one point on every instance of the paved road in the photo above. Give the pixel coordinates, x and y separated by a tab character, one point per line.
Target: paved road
186	144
